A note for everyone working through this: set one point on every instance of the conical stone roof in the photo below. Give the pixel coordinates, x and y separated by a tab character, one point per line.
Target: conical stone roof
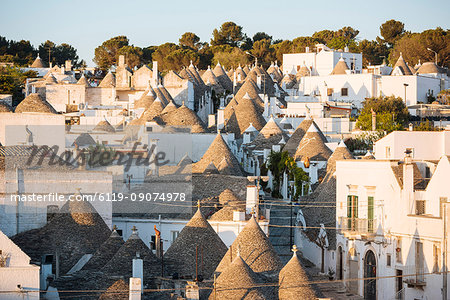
312	146
83	81
197	235
227	196
119	290
401	64
37	63
293	281
288	81
153	111
146	100
240	71
5	107
108	81
247	112
254	248
229	109
34	103
104	126
121	263
249	88
210	79
428	68
270	134
217	151
184	116
171	107
340	68
211	169
77	230
223	78
341	152
294	141
236	281
105	252
304	71
84	139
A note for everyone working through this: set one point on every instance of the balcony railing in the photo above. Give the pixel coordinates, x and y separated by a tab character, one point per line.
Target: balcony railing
356	225
414	276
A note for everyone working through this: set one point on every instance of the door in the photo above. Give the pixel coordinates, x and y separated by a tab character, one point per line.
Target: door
370	271
339	269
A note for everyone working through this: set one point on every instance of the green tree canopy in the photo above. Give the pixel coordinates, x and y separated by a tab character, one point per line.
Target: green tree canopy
230	34
106	54
12	81
261	36
190	40
391	31
264	52
21	53
414	47
132	54
231	57
373	52
391	114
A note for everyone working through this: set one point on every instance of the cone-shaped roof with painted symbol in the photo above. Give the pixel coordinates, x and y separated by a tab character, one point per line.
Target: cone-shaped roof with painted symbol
217	151
255	249
293	281
312	146
196	243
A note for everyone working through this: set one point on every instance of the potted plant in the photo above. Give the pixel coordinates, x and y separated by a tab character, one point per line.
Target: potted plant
330	274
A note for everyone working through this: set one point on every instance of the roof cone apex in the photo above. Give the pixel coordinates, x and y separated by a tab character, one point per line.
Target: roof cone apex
342	144
312	128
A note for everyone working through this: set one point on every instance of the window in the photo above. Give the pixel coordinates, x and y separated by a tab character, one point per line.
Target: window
174	235
149	129
329	92
388	260
153	242
370	214
352	211
420	207
388	152
344	92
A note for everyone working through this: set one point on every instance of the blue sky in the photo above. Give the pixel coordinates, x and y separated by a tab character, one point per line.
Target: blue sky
86	24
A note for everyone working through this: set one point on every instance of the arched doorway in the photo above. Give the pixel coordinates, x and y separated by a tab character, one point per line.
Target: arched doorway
339	264
353	267
370	271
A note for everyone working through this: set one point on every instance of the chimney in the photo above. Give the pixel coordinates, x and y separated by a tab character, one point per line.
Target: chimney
408	180
258	81
252	198
121	60
411	127
374	120
220	118
266	112
192	291
63	70
138	270
155	73
68	65
211	120
135	288
306	49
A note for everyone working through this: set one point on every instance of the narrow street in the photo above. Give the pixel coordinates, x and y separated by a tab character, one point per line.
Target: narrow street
279	236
